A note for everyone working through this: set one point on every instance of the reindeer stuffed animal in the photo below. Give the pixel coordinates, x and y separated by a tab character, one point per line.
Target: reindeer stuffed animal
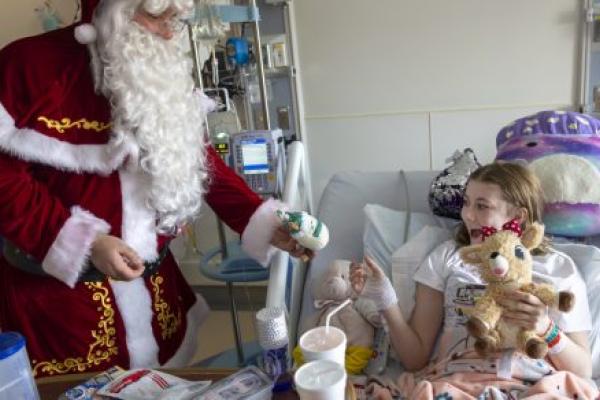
505	264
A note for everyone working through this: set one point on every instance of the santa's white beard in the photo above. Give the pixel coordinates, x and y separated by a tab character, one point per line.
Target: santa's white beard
149	83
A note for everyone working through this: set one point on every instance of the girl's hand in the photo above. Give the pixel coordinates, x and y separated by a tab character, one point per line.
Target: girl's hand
373	284
525	310
115	259
358	277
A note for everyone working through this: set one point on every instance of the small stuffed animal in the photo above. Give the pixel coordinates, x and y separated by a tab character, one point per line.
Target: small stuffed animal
357	319
306	229
505	264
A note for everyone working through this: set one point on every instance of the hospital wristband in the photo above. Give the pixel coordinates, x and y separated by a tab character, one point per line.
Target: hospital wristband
553	337
552	334
558	345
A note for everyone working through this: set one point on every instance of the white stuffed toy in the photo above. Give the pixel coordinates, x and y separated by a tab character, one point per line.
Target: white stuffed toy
357	320
308	231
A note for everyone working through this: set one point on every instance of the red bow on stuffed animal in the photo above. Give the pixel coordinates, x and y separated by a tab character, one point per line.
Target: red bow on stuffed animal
512	225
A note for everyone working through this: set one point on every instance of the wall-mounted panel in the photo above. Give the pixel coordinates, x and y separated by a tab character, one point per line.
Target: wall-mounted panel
476	129
366	143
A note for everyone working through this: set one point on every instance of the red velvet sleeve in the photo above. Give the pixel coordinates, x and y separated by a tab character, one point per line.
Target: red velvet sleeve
30	216
228	194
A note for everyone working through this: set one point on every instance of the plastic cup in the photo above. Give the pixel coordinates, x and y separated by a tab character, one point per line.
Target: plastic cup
321	380
322	343
16	379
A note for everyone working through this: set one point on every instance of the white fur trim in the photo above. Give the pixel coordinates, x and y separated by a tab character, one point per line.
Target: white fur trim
207	104
30	145
256	238
86	33
67	257
195	317
138	228
135	305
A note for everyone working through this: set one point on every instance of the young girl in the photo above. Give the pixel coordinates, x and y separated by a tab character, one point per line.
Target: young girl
495	194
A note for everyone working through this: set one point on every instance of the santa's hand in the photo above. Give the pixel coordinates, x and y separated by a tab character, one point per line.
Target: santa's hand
283	240
374	285
111	256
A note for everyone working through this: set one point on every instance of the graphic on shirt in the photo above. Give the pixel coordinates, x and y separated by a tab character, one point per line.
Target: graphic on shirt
466	296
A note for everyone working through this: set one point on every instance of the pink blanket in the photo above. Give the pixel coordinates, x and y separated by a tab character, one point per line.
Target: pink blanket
467	377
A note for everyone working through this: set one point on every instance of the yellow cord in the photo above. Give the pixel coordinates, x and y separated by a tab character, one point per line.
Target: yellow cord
356	359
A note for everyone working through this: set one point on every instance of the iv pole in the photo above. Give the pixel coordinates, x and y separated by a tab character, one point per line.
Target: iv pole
228	14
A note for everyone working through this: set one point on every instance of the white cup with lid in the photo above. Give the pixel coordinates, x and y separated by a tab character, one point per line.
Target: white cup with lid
16	379
321	380
324	343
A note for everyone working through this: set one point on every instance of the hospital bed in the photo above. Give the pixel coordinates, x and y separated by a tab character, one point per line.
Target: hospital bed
341	209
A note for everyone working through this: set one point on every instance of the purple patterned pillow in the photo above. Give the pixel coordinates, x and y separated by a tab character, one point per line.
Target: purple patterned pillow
446	192
563	149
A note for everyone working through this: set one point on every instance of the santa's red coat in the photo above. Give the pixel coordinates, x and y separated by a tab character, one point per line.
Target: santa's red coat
61	183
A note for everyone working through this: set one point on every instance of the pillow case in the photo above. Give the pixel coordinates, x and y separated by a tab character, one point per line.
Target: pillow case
387	229
406	260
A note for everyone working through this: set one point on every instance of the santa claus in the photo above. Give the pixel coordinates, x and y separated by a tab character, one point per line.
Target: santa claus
102	161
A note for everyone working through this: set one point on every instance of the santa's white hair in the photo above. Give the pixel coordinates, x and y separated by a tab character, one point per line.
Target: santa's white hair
148	81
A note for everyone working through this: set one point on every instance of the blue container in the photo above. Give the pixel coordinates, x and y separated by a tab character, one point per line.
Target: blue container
237	51
16	379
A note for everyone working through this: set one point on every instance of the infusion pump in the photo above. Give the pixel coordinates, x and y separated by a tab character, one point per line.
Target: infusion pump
259	158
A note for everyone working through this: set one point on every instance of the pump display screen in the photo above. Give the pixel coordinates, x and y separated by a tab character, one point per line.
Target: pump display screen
255	156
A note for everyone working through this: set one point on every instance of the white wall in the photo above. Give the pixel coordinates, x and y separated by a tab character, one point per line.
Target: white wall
392	84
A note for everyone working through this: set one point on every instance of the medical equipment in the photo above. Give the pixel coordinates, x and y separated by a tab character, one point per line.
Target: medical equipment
204	27
207	24
259	158
221	126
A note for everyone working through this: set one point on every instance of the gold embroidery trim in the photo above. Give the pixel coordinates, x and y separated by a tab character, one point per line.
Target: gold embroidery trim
169	322
103	347
66	123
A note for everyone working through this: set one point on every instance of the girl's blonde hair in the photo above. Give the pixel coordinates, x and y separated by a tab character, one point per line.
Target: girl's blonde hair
519	186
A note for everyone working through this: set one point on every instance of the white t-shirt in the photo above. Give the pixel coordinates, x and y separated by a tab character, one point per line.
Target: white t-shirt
444	270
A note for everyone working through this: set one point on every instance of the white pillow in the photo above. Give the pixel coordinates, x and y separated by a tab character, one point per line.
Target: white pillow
408	257
385	230
587	259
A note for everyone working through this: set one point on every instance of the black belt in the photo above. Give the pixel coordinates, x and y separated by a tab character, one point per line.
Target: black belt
26	262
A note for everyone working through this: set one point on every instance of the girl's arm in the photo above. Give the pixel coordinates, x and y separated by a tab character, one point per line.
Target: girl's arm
526	310
575	357
413	340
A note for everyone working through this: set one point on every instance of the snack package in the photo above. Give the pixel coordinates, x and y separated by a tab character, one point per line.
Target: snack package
142	384
88	389
249	383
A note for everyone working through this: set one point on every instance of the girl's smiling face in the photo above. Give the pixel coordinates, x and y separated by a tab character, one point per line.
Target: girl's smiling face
484	205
